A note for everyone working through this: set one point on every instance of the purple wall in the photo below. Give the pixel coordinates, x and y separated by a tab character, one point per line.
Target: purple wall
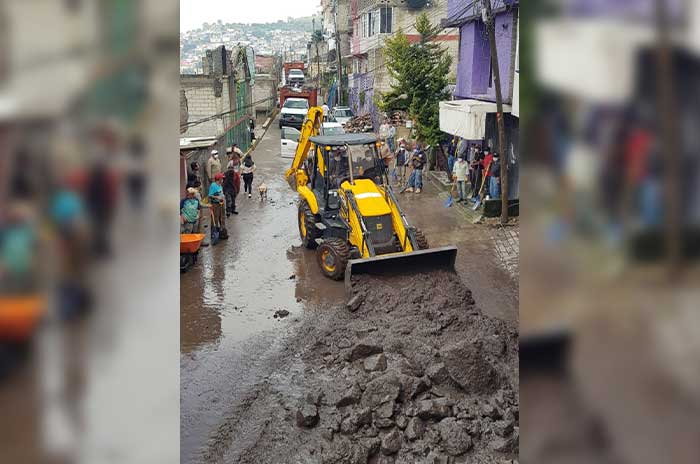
473	69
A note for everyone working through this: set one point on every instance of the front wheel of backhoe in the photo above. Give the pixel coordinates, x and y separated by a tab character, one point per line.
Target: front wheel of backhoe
307	226
333	255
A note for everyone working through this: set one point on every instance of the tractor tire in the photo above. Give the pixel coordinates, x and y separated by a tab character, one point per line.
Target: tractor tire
333	256
307	226
421	240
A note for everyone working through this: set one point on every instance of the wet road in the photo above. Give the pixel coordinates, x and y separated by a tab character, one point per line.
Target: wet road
228	299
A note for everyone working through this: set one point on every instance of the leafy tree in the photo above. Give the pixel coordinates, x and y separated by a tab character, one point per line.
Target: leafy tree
420	73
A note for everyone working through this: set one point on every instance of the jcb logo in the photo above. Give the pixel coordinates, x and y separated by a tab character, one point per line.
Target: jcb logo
379	227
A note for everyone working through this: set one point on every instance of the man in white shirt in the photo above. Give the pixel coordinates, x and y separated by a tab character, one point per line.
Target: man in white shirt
459	175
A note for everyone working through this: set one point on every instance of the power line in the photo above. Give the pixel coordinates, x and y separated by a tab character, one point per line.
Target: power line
219	115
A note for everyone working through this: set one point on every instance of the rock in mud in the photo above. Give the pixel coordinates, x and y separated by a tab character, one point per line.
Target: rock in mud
391	443
307	416
314	397
415	429
413	386
434	409
363	350
383	389
455	438
345	397
489	410
502	428
375	363
468	367
385	410
401	422
437	373
355	302
281	313
504	445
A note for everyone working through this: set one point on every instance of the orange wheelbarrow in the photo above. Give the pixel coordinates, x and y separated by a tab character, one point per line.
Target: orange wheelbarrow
189	248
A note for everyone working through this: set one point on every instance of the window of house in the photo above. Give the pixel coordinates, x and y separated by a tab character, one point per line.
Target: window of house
371	27
386	16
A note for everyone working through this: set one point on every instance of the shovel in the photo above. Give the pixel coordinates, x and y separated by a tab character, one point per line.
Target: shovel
483	182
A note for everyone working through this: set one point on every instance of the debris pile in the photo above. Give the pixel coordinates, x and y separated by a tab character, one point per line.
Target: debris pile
410	371
360	123
398	118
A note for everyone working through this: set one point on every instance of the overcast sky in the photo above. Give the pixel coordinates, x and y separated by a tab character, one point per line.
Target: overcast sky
195	12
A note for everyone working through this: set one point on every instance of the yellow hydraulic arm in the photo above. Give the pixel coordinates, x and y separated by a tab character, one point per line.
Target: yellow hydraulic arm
311	127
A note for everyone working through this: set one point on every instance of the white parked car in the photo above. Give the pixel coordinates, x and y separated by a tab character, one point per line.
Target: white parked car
342	114
332	128
289	139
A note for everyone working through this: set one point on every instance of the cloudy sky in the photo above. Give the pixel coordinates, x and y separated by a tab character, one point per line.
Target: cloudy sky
195	12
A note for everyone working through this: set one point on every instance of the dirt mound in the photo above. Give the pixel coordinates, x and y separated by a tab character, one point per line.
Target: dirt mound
414	373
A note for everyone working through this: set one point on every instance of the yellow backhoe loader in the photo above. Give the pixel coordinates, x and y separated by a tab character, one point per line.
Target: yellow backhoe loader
348	211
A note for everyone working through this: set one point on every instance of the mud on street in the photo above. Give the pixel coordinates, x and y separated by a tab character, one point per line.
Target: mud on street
414	371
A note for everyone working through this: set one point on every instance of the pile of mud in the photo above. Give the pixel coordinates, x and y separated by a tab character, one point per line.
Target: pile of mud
410	372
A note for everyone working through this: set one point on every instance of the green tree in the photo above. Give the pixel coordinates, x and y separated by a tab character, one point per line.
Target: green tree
420	73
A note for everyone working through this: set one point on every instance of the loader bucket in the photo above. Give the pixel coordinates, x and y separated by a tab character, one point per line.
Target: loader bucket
401	263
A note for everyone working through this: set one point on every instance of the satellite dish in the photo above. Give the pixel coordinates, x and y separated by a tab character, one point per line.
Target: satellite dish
415	4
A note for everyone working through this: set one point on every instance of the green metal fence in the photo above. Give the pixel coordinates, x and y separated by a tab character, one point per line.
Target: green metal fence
237	130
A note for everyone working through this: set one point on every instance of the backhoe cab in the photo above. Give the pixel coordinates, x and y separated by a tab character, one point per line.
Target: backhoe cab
348	211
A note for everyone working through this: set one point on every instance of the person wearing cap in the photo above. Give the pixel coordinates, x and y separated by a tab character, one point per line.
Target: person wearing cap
217	200
189	212
213	166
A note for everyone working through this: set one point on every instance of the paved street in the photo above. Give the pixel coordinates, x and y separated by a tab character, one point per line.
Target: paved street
228	333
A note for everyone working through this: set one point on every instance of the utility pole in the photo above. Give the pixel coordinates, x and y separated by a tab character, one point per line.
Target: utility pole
491	28
337	52
669	140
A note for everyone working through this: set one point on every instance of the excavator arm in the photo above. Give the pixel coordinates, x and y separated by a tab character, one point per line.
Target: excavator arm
295	175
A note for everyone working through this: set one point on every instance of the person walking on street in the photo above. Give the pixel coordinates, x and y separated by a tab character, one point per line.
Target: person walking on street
495	184
452	154
217	200
384	130
213	166
247	171
475	171
459	175
418	160
486	168
401	159
230	189
189	212
391	138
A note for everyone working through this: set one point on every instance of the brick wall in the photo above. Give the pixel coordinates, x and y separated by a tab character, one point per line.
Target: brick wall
206	97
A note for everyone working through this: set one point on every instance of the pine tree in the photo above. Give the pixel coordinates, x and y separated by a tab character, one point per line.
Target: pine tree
420	77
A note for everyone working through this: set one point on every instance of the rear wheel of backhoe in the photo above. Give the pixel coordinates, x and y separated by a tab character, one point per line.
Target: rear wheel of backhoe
421	240
307	226
333	255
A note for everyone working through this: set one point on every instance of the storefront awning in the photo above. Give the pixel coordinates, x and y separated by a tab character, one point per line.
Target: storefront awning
466	118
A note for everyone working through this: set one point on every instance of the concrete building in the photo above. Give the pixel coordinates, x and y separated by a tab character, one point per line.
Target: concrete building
220	100
373	22
472	113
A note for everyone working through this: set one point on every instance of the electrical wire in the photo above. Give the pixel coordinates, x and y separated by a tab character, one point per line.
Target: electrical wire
219	115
